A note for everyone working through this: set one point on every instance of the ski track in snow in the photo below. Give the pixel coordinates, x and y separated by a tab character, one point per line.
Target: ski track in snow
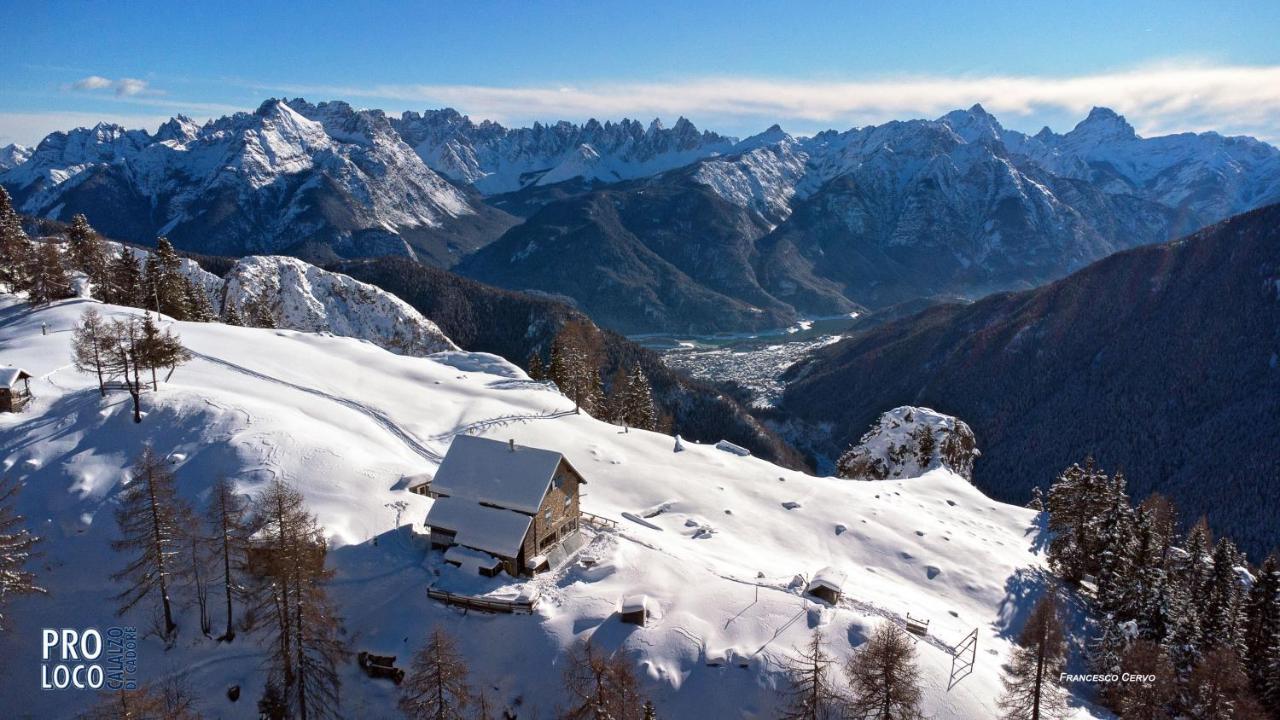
378	417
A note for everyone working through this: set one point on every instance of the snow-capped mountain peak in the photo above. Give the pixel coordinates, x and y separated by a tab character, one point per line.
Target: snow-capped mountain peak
11	156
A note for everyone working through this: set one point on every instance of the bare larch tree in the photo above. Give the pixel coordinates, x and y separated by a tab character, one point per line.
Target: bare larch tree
152	536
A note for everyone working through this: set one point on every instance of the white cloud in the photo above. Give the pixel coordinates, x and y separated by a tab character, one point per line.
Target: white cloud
130	86
1157	98
93	82
123	87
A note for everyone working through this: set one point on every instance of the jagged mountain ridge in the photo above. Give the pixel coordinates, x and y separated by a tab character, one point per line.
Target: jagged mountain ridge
318	181
496	159
740	235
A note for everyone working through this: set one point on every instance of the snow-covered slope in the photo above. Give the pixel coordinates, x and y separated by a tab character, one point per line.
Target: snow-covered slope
726	545
909	442
304	297
497	159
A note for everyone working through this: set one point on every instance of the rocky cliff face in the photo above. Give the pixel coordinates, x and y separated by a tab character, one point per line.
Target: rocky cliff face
304	297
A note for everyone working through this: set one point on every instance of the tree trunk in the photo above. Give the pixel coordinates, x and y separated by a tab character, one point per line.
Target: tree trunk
230	633
162	575
135	385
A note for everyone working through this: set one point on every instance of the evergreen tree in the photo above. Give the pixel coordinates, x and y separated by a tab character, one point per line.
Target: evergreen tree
1187	589
230	526
1262	626
17	546
536	371
125	286
575	367
152	536
809	692
258	311
1031	690
437	683
88	253
648	712
1037	501
883	677
1220	610
1116	574
197	302
1107	651
232	316
90	347
639	409
1078	500
1150	586
47	279
16	251
164	286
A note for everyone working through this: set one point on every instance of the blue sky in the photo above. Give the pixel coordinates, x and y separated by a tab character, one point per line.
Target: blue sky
733	66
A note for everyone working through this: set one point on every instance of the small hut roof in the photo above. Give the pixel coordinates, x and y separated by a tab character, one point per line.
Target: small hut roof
491	471
829	578
493	530
10	375
467	557
635	603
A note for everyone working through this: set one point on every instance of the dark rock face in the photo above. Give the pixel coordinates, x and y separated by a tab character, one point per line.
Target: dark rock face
1161	361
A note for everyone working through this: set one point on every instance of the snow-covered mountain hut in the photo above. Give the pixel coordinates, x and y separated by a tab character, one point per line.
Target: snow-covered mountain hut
15	389
827	585
518	504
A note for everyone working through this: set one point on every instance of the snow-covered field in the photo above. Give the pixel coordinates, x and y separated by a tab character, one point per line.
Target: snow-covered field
726	546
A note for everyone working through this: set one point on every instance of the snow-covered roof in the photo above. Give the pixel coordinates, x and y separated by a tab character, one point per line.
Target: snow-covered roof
490	471
635	603
467	557
9	376
829	578
490	529
729	447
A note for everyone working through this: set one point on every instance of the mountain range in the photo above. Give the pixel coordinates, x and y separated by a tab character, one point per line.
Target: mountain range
648	228
1161	361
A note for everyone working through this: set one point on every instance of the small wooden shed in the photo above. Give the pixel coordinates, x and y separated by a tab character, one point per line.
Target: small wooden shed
15	389
827	585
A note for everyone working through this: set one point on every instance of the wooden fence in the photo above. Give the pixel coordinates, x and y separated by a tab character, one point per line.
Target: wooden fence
598	521
482	604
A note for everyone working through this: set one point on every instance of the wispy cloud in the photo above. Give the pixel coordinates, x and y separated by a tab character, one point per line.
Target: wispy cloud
123	87
1158	98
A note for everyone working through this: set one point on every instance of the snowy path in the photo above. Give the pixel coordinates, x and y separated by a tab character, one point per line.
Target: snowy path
377	416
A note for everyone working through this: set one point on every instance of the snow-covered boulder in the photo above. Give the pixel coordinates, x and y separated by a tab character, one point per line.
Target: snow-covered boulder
304	297
908	442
